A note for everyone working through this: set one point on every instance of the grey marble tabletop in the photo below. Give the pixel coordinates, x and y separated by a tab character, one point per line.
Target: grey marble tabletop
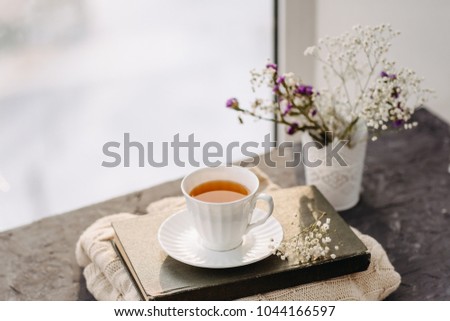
405	205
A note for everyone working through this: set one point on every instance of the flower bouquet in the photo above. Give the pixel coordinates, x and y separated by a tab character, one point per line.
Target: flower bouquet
365	94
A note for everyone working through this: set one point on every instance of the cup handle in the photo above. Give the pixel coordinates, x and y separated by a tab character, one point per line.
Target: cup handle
269	200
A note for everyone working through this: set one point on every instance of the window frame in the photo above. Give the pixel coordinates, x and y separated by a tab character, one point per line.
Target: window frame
292	18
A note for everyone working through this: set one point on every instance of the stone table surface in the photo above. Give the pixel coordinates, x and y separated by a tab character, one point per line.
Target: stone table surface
405	205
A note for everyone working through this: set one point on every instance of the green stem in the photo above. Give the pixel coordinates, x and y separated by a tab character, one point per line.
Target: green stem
276	120
349	128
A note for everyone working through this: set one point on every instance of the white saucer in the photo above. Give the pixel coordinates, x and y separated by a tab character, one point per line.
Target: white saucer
180	240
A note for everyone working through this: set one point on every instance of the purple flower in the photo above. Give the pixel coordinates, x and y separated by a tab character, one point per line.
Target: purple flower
232	103
292	128
280	80
314	112
288	109
305	90
398	123
276	88
272	66
384	74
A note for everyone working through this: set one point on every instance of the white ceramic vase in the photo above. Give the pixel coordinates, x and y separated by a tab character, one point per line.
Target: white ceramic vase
341	185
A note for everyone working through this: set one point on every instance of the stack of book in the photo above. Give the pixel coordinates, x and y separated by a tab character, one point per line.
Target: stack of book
160	277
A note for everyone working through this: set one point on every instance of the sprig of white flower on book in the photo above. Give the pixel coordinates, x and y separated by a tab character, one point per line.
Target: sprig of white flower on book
311	244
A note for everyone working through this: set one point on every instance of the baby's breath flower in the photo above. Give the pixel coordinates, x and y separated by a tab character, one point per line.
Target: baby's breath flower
363	87
325	227
311	51
309	245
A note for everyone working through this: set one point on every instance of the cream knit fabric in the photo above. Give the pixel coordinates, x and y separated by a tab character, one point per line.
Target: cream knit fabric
108	279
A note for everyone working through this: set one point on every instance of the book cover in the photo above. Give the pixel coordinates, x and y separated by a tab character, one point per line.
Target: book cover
159	277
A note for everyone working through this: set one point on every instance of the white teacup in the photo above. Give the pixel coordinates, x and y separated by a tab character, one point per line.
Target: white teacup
222	226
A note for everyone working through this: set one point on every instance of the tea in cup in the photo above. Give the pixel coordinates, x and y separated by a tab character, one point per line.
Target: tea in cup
221	202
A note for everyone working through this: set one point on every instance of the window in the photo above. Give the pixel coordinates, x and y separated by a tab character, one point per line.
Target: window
75	75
